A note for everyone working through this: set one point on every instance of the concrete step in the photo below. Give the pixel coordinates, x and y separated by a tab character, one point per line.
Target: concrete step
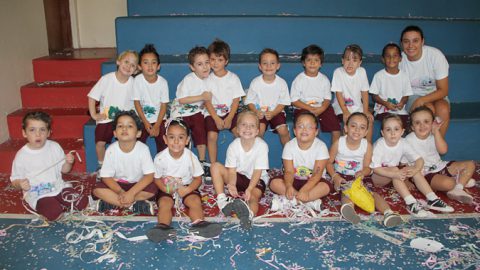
66	69
56	95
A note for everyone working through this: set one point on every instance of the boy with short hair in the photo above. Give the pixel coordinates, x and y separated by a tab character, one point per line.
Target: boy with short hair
226	90
311	92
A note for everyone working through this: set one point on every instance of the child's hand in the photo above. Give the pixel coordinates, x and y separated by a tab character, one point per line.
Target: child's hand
370	116
338	181
400	106
232	189
390	106
183	191
154	130
126	198
260	114
316	110
410	171
69	158
207	96
437	123
248	194
291	192
268	115
417	103
219	123
302	196
359	174
99	117
345	117
24	184
402	174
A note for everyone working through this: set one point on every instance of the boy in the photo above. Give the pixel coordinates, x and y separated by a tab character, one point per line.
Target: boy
38	166
192	92
245	171
268	95
226	90
311	92
127	173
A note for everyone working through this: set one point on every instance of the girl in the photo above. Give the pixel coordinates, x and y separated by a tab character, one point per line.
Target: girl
387	154
113	91
304	161
427	139
390	86
350	84
177	170
350	158
245	171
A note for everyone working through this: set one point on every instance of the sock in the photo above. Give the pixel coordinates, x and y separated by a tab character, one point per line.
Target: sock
431	196
221	200
388	212
409	199
458	186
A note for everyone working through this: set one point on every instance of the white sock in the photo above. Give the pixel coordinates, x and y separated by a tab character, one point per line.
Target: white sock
409	199
388	212
431	196
459	186
221	200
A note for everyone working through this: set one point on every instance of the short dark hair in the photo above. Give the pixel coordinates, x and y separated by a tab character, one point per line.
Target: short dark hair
148	48
197	50
268	50
306	113
358	114
177	122
389	117
39	116
411	28
130	113
355	49
391	45
219	47
312	49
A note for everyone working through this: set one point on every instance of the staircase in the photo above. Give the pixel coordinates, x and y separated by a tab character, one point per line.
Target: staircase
60	89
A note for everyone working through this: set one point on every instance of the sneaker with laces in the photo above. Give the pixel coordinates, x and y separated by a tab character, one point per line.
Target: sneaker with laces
471	183
440	206
315	205
460	195
206	172
392	220
225	205
348	212
240	207
160	232
102	206
206	229
416	210
143	208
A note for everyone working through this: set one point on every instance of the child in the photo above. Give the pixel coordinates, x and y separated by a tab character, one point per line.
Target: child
150	96
304	160
179	164
113	91
127	173
268	95
449	176
350	84
37	169
350	158
226	91
387	154
390	86
192	92
311	92
244	171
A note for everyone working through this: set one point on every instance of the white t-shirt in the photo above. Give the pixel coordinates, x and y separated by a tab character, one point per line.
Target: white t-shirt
43	169
351	88
269	95
392	88
224	90
428	151
185	168
311	90
150	95
113	96
127	167
304	160
386	156
191	85
349	162
424	72
246	162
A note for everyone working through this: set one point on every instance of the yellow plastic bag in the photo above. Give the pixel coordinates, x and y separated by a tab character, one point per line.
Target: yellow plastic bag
360	196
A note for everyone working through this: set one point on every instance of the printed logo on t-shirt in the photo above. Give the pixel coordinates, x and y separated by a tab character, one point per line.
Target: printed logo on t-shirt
221	109
302	173
349	102
179	109
347	167
111	111
149	111
425	83
41	189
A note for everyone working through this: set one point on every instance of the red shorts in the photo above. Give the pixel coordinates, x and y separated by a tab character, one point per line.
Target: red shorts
158	140
404	119
52	207
196	124
328	120
298	184
276	121
444	171
243	182
151	188
211	126
164	194
104	132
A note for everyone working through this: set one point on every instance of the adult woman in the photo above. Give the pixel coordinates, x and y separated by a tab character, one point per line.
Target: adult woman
427	69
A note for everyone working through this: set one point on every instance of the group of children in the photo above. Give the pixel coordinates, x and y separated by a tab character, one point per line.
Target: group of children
207	100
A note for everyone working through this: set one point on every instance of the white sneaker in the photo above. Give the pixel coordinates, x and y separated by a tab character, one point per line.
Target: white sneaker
460	195
348	212
440	206
277	203
416	210
471	183
315	205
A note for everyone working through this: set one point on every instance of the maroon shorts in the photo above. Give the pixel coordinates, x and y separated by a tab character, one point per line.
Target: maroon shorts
243	182
444	171
196	124
151	188
52	207
164	194
104	132
211	126
158	140
328	120
277	120
298	184
404	119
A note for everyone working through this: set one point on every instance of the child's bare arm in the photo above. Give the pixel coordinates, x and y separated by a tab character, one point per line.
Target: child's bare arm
69	160
384	103
288	177
279	108
194	185
22	184
367	159
93	110
252	108
218	121
231	114
156	127
253	183
141	114
191	99
302	105
316	176
440	143
112	184
232	182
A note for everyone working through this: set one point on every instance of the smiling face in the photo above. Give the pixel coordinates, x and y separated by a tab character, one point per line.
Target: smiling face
126	129
247	126
312	64
36	132
305	129
218	64
127	65
422	122
391	58
269	64
356	127
176	139
392	131
201	65
351	62
149	65
412	43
